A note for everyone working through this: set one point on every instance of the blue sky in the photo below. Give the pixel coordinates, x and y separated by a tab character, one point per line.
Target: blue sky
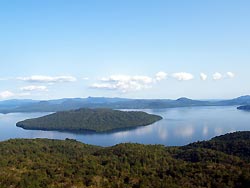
124	48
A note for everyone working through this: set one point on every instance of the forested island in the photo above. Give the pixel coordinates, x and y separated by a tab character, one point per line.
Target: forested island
97	120
40	163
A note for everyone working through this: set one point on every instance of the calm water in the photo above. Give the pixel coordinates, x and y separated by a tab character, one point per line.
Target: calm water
179	126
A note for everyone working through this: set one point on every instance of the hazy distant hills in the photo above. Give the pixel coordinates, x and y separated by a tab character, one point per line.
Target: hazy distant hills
10	106
243	100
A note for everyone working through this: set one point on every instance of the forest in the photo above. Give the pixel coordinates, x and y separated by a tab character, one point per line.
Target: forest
38	163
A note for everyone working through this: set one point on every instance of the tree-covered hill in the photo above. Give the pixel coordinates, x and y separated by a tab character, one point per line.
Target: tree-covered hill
98	120
237	144
46	163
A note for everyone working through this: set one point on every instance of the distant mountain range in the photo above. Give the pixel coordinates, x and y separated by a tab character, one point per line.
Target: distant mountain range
18	105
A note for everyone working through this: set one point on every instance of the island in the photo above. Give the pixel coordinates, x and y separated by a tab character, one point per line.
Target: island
96	120
244	107
221	162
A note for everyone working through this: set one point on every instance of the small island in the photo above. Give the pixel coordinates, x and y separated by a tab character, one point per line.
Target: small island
96	120
244	107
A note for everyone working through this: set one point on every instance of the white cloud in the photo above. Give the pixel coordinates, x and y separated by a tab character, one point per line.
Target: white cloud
183	76
127	78
85	78
127	83
160	76
6	94
217	76
48	79
103	86
230	74
124	83
203	76
34	88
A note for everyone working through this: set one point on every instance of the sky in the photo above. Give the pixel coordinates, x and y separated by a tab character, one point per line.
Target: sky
124	48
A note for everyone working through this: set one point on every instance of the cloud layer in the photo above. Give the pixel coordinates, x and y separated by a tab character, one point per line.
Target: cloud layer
127	83
124	83
6	94
217	76
160	76
48	79
183	76
203	76
230	74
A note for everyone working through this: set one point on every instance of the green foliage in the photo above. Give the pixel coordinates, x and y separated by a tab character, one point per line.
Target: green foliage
237	144
98	120
41	163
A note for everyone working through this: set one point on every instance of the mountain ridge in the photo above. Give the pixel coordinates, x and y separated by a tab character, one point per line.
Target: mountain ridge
11	106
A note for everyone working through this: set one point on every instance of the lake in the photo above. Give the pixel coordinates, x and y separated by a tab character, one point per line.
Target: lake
179	126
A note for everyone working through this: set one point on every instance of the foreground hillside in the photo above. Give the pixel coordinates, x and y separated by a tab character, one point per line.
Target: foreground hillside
98	120
53	163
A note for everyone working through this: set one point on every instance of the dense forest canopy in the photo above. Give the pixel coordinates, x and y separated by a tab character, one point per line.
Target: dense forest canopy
40	163
98	120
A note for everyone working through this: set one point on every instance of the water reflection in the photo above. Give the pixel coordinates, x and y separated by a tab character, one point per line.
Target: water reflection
136	132
179	126
122	134
185	132
163	133
205	130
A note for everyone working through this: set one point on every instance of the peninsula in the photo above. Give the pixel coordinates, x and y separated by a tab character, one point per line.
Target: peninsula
244	107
